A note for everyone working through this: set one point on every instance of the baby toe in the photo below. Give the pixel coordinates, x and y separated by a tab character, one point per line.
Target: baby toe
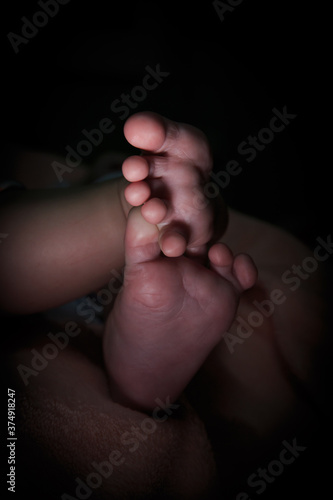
137	193
154	211
221	260
135	168
240	270
245	271
145	131
172	243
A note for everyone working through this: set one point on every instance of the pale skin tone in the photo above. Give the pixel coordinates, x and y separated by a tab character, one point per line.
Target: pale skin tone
167	181
175	309
233	387
78	228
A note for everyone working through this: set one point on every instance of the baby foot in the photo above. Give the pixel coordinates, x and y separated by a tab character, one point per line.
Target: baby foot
168	316
168	179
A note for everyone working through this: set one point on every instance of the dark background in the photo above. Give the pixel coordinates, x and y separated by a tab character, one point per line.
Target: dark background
225	78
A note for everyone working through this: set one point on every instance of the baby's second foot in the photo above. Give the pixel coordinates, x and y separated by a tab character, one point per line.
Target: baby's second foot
168	179
168	316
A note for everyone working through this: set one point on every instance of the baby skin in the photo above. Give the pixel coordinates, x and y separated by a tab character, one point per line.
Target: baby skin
174	306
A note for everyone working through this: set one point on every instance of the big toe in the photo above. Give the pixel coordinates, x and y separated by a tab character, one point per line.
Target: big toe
145	131
141	239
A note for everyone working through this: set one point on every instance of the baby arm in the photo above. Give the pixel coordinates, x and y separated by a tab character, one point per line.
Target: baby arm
61	244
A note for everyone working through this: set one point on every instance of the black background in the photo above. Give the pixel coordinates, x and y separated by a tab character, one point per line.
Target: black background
225	78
